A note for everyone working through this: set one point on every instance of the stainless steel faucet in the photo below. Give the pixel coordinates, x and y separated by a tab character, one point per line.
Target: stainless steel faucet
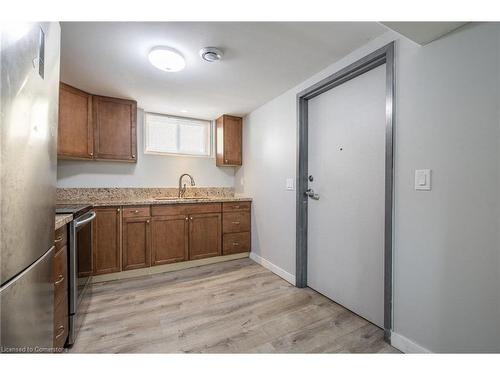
182	189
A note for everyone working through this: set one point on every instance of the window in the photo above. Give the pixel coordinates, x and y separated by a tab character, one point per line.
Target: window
176	135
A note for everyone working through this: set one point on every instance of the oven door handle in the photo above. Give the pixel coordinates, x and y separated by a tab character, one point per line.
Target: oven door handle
79	223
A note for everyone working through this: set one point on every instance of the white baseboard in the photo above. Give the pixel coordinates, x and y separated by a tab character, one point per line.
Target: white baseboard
273	268
406	345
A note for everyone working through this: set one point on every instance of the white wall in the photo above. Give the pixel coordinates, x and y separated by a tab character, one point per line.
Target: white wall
149	171
446	241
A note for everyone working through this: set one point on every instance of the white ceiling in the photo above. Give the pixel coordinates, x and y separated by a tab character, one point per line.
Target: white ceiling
424	32
261	61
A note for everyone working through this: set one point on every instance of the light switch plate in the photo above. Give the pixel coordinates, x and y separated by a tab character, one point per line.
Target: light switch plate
422	179
290	184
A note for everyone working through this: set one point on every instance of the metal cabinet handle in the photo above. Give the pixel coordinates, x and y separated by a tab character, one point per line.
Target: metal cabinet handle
133	156
91	153
147	221
60	328
236	222
136	211
235	243
117	210
186	218
191	218
59	280
237	206
58	239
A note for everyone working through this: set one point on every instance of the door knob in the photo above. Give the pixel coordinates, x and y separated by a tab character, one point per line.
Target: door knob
311	194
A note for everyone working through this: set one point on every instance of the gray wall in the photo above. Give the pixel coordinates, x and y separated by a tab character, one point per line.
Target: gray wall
446	241
149	171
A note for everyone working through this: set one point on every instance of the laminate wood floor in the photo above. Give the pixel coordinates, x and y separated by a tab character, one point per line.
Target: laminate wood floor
231	307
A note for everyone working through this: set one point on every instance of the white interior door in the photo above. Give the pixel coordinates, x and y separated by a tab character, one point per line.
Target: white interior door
346	225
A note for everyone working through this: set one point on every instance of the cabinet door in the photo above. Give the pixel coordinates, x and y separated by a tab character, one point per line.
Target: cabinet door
106	240
169	239
75	132
115	128
232	140
204	235
60	274
61	322
136	243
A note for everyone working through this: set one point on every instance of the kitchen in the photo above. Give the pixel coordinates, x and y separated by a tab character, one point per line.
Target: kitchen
178	187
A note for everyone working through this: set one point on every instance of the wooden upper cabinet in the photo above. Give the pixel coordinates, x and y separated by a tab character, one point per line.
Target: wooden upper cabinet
204	235
115	128
96	127
106	240
169	239
136	243
229	131
75	131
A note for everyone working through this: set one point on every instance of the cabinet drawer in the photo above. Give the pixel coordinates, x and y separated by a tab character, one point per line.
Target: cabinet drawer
61	324
60	276
235	206
136	211
61	237
185	209
233	243
234	222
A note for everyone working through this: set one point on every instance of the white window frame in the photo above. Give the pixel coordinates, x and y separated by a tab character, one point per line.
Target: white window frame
211	143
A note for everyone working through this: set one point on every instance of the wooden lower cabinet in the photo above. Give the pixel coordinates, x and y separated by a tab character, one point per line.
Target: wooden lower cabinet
136	243
169	239
236	227
205	235
60	280
234	243
61	323
106	240
143	236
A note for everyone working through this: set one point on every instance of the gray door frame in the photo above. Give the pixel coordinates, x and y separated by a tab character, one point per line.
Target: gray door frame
384	55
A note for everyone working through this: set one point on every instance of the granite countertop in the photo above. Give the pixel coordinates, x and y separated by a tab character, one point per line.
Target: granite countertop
155	201
146	196
62	220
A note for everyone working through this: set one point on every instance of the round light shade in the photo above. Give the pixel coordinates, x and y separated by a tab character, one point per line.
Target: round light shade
167	59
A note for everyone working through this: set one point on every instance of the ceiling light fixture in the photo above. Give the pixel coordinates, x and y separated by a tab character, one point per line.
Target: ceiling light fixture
211	54
167	59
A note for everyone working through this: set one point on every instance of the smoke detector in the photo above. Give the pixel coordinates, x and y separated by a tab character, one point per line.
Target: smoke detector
211	54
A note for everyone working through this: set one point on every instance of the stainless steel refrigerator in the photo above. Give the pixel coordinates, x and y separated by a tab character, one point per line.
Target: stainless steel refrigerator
29	67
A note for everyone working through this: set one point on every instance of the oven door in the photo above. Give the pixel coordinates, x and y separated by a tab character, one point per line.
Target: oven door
83	252
80	268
